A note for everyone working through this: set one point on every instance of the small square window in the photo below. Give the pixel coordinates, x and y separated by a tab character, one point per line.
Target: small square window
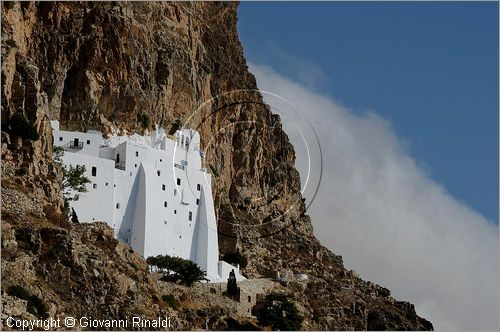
165	204
198	187
175	211
107	184
137	153
197	201
94	171
117	205
94	186
60	138
135	165
163	187
165	222
88	142
161	160
178	181
158	172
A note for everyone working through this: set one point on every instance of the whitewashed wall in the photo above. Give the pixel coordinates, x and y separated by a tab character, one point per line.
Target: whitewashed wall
152	191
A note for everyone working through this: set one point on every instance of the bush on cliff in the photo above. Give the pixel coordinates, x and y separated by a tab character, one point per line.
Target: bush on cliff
277	311
177	269
144	120
35	305
235	258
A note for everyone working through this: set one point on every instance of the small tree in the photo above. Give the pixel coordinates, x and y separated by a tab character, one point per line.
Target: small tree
177	269
232	287
144	120
20	127
74	180
57	154
74	217
170	300
277	311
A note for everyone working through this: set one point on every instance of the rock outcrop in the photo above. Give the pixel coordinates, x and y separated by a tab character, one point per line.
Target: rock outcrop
101	65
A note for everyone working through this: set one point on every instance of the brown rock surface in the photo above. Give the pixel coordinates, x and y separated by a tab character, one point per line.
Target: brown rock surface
98	65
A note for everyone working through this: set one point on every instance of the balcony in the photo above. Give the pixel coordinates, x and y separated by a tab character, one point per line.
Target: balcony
74	145
120	165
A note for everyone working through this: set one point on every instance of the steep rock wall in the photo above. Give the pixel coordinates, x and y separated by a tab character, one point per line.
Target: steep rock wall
99	65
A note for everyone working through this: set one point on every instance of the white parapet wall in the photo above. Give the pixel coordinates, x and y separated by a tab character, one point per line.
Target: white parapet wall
152	190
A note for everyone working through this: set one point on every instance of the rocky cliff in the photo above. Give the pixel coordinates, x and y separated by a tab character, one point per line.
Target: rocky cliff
102	65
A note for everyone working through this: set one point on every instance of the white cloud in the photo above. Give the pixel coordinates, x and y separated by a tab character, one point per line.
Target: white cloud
392	223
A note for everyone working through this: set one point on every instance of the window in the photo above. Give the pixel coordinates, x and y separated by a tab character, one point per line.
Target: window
94	171
175	192
178	181
158	172
117	205
161	160
197	201
175	211
135	165
163	187
60	138
165	222
107	184
88	142
198	187
249	299
165	204
190	217
94	186
137	153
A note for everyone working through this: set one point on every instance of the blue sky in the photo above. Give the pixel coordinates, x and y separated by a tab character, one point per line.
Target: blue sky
431	69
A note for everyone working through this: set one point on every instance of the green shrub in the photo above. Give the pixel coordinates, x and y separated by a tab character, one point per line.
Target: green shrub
235	258
20	127
74	217
277	311
144	120
170	300
35	305
74	180
177	269
19	292
57	153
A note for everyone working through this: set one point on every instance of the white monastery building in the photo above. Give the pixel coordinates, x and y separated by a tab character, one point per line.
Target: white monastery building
152	190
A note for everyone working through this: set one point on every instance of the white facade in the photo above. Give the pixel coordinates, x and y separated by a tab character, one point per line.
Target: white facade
152	191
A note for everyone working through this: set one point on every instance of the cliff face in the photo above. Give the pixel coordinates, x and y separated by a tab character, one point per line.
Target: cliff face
100	66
